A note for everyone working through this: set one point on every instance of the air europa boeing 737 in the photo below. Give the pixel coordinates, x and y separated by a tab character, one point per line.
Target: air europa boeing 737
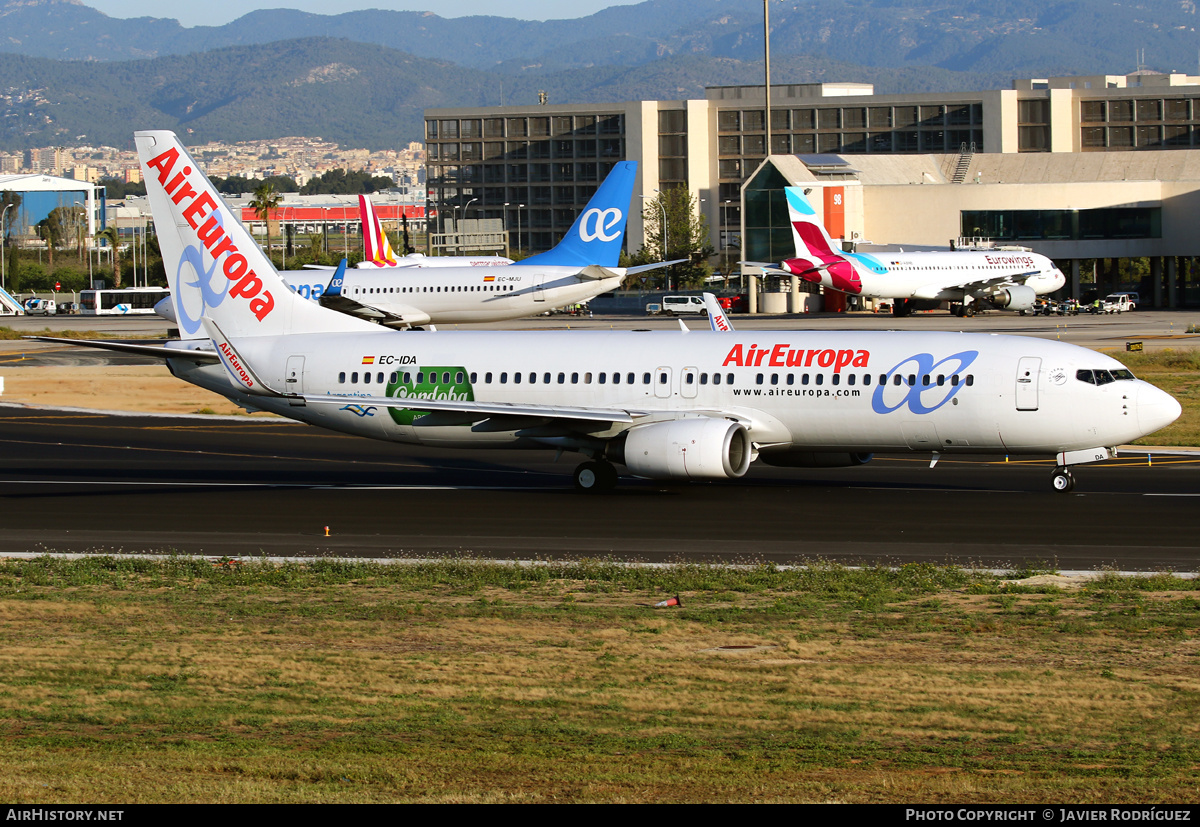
672	405
916	281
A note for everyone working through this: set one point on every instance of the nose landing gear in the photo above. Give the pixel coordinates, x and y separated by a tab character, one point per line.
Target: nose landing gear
1062	480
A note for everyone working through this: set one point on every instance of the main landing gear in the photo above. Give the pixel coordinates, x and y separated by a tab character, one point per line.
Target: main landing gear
593	477
1062	480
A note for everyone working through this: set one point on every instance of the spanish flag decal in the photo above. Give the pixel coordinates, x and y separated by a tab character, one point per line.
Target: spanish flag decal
368	360
489	278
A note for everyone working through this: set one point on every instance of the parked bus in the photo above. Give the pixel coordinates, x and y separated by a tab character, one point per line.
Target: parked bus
121	302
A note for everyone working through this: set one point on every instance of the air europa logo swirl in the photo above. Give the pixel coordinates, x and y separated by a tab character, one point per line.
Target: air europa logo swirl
596	223
240	279
917	396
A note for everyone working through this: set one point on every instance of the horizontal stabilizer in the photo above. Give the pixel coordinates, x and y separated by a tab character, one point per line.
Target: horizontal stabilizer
645	268
157	351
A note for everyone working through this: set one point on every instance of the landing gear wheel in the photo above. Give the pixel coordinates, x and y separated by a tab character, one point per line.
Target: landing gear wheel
1062	480
594	477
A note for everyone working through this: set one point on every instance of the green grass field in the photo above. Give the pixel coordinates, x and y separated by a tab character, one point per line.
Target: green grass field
1176	371
187	681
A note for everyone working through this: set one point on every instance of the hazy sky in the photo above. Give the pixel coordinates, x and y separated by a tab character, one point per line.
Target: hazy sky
217	12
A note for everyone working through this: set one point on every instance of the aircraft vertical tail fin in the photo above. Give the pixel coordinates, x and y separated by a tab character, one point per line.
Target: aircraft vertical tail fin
215	269
598	234
810	235
376	248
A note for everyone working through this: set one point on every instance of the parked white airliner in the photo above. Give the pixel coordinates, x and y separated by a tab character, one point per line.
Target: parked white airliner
582	266
1008	279
673	405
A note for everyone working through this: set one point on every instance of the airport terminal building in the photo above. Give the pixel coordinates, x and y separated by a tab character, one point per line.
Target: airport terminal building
1082	169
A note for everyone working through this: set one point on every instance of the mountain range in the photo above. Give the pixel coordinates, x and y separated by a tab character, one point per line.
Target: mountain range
69	73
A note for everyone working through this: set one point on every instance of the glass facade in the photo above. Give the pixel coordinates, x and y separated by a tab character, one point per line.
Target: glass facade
550	164
1065	225
1139	123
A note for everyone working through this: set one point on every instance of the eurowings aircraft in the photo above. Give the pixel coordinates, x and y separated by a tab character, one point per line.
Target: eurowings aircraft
582	266
916	281
672	405
378	253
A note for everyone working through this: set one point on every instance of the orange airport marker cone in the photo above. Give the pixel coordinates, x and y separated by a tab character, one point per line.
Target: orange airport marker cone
326	531
674	601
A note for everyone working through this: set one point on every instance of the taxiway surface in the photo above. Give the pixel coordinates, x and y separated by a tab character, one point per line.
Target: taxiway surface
79	481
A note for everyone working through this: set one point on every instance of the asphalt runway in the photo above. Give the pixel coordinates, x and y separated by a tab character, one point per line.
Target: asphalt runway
81	481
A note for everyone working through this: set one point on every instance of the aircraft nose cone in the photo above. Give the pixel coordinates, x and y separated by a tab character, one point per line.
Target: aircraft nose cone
1155	409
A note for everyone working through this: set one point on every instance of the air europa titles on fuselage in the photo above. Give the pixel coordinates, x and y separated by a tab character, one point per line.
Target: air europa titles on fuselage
245	283
782	355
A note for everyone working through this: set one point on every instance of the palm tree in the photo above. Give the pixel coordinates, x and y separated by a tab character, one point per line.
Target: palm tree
110	235
265	200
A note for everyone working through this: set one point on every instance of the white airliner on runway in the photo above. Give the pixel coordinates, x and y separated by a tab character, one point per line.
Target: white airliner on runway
916	281
672	405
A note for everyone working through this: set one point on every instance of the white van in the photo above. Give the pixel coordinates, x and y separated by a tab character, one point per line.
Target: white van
683	304
41	307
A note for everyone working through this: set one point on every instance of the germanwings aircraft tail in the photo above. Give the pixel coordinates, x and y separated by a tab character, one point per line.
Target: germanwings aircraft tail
376	247
598	234
215	268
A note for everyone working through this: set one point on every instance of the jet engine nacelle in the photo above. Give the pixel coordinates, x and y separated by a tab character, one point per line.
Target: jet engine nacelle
815	459
697	448
1017	297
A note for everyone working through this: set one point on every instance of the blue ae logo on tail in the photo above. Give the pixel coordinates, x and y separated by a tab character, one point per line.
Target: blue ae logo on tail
598	234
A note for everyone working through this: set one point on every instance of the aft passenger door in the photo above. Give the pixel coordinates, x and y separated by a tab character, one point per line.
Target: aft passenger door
1028	369
293	379
539	290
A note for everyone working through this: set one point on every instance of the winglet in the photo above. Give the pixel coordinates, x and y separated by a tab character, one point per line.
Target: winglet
716	316
238	368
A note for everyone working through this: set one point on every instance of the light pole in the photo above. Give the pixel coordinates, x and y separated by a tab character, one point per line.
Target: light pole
4	246
506	255
519	208
464	218
725	237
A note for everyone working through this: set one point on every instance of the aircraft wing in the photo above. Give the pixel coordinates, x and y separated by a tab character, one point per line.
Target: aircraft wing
932	291
484	410
395	316
157	351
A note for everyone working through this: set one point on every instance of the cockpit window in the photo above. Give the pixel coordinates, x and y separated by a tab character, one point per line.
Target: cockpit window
1123	374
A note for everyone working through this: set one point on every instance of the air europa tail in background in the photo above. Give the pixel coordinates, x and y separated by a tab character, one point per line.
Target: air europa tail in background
598	234
214	268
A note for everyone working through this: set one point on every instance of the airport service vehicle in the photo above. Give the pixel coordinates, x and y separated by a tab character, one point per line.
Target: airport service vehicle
683	305
123	301
1122	302
40	307
968	280
671	405
582	266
